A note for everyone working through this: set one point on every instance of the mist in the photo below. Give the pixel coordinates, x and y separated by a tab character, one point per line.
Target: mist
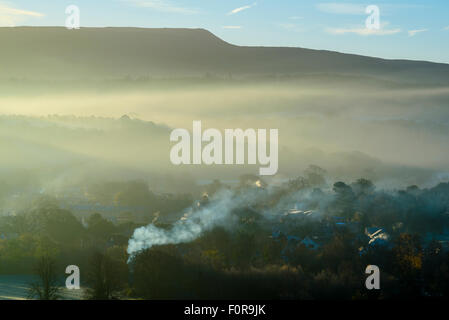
389	131
85	123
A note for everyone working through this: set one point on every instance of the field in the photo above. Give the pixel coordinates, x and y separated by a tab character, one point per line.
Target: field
15	288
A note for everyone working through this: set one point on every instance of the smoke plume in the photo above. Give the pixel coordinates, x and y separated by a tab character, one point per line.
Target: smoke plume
216	212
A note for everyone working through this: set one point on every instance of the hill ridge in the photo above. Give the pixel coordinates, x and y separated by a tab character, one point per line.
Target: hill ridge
110	52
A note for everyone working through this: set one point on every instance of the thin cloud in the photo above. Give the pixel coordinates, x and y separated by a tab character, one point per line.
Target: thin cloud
413	33
232	27
162	6
363	31
240	9
446	28
382	31
341	8
291	27
10	16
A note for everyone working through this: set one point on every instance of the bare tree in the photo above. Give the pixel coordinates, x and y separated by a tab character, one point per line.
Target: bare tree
106	277
46	287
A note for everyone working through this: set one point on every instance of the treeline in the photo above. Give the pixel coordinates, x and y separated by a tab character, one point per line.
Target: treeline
248	261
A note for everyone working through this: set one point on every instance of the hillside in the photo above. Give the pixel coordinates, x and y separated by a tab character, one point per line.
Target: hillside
55	53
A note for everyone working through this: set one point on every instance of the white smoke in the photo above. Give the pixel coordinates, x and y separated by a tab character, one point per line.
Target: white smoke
216	212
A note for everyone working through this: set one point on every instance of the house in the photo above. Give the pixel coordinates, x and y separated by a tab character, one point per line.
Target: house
377	236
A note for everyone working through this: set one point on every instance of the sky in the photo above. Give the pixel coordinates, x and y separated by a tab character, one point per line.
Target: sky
412	29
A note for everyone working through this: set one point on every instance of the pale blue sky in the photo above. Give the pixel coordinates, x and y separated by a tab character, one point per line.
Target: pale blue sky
410	29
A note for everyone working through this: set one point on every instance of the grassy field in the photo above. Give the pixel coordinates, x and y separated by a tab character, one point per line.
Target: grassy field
15	288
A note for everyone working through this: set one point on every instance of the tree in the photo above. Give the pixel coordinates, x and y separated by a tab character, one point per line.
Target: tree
344	199
408	262
99	227
363	187
244	245
161	275
315	176
136	193
46	288
298	184
435	270
58	224
106	276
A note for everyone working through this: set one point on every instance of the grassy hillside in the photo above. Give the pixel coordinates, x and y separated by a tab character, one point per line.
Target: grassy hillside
103	53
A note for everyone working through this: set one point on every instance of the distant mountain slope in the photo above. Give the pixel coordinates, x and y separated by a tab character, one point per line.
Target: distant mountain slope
58	53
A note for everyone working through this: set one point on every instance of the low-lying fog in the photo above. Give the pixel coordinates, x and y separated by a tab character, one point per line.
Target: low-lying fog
395	135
